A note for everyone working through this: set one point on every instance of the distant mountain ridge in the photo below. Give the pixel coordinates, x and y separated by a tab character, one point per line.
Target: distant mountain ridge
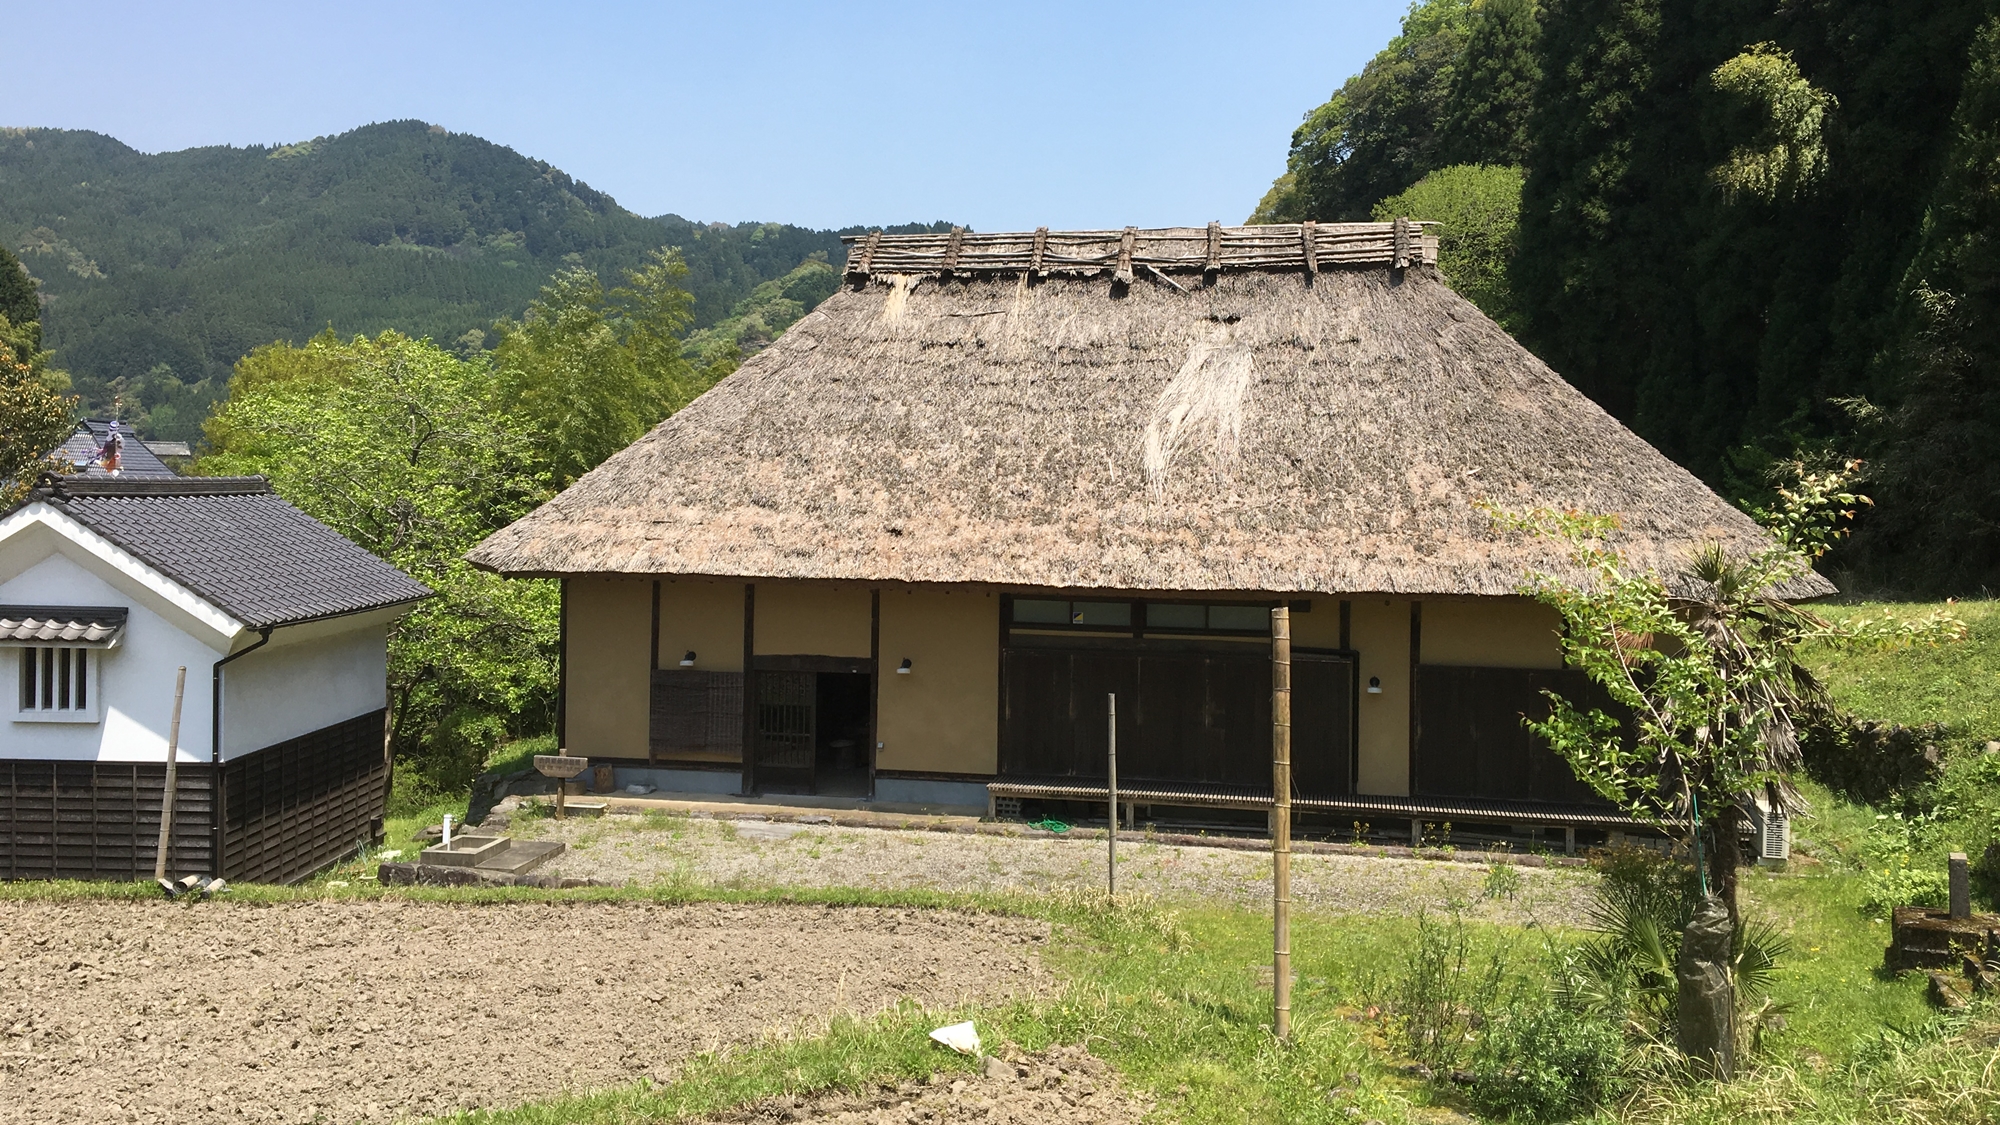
159	271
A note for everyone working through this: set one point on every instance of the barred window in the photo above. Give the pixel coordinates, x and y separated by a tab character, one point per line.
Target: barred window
56	681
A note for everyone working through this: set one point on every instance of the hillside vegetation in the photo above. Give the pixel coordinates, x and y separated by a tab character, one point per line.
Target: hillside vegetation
1750	231
158	272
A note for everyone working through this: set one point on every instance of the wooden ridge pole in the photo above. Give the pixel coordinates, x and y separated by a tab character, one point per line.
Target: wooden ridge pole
172	787
1281	822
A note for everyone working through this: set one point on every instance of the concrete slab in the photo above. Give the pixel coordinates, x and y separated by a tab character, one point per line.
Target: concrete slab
466	851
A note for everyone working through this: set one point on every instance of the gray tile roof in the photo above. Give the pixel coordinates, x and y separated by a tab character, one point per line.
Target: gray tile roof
136	461
235	543
96	626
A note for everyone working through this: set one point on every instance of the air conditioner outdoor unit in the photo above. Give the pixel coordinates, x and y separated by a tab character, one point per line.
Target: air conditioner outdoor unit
1773	831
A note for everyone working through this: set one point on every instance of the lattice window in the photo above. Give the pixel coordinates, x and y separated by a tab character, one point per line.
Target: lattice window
58	683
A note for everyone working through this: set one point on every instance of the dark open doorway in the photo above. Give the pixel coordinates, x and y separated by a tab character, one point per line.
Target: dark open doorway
842	748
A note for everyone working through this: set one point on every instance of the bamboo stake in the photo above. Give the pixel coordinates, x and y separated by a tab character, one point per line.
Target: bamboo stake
173	778
1281	822
1112	762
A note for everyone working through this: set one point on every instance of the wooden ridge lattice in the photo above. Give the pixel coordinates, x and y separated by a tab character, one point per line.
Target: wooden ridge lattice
1125	253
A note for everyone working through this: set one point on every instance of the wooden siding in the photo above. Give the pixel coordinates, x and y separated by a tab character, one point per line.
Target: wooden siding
101	820
304	803
290	809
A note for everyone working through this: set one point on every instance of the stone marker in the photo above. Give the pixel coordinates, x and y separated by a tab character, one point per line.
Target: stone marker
1961	886
1707	1002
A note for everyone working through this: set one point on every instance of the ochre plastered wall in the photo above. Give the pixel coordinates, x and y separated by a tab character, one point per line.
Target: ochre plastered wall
1380	631
1318	627
1490	633
609	642
944	716
801	619
705	618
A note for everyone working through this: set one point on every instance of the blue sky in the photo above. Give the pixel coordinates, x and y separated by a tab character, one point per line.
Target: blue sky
999	115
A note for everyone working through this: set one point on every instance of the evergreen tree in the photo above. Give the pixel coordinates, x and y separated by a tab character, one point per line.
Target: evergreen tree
1453	88
1486	118
18	301
1938	521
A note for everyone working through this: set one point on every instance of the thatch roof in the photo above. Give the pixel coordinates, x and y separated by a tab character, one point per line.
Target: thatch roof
1230	418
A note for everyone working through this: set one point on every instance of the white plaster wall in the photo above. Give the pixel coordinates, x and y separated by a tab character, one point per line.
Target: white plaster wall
135	680
298	684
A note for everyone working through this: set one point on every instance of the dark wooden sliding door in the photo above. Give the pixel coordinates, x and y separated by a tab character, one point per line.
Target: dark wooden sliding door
1186	715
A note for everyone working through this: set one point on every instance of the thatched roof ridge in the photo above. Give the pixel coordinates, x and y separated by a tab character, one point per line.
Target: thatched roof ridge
1258	429
1123	253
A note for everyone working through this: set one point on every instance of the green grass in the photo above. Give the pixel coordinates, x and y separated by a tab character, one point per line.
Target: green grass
1957	684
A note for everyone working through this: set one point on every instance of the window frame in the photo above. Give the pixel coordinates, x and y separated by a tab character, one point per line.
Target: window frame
1141	624
92	711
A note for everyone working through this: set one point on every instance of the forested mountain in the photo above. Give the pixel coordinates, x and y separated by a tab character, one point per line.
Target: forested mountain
1753	230
159	271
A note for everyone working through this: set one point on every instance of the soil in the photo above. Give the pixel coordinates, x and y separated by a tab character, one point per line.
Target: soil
375	1011
1064	1084
653	848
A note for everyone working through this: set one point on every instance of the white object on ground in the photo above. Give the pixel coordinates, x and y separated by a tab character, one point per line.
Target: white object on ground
638	789
392	853
960	1037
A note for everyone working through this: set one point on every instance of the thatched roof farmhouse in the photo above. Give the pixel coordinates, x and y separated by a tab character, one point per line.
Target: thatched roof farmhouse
1132	425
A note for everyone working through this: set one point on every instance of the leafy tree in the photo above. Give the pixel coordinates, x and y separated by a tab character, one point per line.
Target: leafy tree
35	416
1704	663
761	317
1478	207
1775	121
19	302
1452	88
587	371
404	448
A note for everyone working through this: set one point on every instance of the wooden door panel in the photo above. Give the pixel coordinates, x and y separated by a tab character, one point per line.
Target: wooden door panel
1322	725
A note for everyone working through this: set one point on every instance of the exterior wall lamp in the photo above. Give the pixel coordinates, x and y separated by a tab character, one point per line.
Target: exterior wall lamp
1374	685
903	669
687	661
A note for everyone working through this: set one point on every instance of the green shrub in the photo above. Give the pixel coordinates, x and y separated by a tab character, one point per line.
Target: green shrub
1538	1060
1437	997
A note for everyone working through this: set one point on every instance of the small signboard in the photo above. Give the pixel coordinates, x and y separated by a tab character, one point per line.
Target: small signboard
560	765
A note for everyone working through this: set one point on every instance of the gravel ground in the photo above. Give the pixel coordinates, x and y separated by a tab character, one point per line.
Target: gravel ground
654	847
1066	1084
373	1011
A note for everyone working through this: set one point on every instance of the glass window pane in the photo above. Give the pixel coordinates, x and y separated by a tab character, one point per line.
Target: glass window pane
62	678
1244	618
48	679
1101	613
82	696
27	679
1032	611
1190	617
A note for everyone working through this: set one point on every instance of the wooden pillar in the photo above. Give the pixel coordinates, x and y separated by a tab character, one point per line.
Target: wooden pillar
1281	822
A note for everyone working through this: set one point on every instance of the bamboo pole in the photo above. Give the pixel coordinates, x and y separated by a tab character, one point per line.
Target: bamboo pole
173	779
1111	762
1281	822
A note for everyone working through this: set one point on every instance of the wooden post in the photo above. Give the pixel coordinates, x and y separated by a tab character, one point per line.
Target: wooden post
173	779
1281	822
1111	762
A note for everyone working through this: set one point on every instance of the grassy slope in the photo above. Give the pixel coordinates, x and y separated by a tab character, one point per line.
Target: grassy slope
1956	684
